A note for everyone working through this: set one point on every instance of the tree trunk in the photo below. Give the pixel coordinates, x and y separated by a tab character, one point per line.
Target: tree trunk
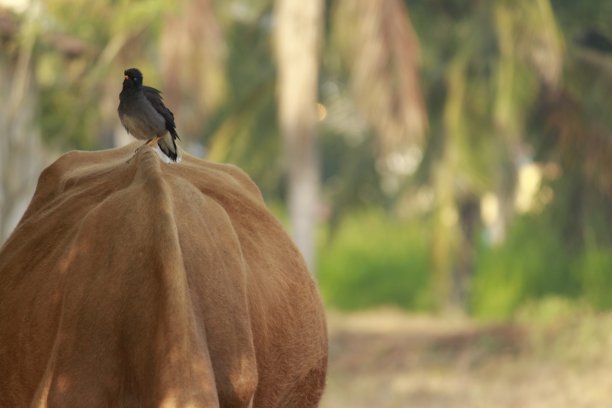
298	29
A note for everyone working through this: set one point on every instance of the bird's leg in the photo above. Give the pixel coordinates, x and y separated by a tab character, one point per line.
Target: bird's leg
151	142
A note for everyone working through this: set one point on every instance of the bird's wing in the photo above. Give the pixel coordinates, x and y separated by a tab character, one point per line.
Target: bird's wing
154	97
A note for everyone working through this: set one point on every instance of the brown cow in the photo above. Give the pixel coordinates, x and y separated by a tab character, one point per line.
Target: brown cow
143	284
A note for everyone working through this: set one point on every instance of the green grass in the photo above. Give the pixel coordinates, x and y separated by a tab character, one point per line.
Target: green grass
375	260
596	268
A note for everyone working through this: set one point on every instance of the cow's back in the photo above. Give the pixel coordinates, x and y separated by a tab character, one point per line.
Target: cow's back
143	284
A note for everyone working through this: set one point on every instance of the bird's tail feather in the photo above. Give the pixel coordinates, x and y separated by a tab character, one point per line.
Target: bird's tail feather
167	145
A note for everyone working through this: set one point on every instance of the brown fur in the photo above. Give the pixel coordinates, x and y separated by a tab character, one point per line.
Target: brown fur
144	284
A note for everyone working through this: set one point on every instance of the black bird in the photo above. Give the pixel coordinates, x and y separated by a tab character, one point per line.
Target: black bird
144	115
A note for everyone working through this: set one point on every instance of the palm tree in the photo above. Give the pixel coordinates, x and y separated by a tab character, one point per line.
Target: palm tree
298	40
380	46
497	52
381	52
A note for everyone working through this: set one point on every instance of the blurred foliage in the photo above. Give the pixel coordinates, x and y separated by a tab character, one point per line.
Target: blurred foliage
244	130
72	82
549	311
341	160
374	260
532	263
595	268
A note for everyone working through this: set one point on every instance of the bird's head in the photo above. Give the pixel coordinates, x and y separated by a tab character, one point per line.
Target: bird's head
132	78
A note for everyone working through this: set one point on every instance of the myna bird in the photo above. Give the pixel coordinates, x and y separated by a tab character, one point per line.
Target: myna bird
144	115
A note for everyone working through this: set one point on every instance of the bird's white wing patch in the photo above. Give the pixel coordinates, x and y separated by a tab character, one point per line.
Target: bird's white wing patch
165	158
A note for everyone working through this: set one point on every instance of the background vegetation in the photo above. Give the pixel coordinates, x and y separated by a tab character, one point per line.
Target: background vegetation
463	149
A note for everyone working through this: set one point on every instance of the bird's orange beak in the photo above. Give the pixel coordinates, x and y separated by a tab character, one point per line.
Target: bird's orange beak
125	77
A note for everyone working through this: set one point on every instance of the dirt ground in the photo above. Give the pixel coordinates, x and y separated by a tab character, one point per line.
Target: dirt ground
388	359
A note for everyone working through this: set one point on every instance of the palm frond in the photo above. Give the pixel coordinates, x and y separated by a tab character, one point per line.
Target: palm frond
383	55
193	54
